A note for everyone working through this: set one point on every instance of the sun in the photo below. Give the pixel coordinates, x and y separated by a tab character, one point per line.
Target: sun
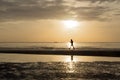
70	23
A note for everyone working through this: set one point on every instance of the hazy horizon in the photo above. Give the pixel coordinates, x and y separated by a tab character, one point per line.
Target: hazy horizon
59	42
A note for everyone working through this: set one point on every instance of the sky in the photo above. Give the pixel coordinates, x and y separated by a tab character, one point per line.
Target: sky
42	20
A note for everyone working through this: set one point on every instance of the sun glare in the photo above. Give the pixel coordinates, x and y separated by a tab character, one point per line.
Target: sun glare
68	59
70	23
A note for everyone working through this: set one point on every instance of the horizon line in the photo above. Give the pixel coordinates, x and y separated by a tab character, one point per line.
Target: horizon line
62	42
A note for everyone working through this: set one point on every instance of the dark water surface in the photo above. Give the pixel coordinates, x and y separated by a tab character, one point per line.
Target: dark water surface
60	71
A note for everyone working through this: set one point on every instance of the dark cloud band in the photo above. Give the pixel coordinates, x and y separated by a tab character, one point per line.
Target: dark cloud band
55	9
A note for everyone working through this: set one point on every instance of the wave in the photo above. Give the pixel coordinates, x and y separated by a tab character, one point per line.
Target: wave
59	46
56	48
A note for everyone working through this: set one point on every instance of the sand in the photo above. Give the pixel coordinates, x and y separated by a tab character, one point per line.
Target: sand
84	52
60	71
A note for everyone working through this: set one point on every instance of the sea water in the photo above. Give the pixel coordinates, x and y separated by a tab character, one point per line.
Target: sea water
48	58
58	45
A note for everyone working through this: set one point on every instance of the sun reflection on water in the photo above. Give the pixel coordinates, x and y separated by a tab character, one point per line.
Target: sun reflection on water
68	59
70	67
69	44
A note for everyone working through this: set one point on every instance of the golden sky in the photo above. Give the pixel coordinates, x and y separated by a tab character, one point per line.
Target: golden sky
42	20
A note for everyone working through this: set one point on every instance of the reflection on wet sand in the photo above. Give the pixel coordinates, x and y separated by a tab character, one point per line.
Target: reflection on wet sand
70	67
60	71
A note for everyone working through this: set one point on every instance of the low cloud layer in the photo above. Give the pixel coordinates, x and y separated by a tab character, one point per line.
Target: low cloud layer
11	10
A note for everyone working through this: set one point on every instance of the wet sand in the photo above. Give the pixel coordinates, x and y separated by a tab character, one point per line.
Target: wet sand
83	52
60	71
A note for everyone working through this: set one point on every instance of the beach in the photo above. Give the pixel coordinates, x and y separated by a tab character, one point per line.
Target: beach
39	61
81	52
59	39
60	71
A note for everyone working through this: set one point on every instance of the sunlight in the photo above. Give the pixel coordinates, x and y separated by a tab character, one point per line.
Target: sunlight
70	67
68	59
69	44
70	23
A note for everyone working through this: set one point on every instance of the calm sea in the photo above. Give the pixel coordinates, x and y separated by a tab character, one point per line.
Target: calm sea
45	58
56	45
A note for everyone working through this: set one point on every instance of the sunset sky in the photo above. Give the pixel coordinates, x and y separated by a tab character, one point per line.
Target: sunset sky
46	20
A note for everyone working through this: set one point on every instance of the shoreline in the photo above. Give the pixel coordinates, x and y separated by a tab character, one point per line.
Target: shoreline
91	52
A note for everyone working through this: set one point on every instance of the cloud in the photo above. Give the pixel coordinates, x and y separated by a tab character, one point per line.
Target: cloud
12	10
32	9
100	1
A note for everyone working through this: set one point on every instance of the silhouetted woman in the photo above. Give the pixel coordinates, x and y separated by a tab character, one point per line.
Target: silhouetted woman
71	44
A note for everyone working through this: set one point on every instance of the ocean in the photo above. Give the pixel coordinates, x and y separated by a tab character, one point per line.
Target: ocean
58	67
55	46
59	45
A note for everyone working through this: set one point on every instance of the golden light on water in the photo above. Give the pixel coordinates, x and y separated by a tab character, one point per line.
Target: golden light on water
70	67
70	24
69	44
68	59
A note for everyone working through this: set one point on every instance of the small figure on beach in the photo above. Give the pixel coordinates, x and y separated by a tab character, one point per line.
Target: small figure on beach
71	44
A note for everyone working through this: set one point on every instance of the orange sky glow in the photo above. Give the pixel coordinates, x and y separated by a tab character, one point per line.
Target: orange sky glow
60	20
